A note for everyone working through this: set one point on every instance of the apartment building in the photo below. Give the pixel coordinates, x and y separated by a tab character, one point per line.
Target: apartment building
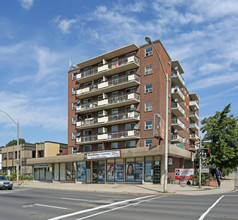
29	151
116	117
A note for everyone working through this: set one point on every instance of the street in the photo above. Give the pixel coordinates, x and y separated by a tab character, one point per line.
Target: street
33	204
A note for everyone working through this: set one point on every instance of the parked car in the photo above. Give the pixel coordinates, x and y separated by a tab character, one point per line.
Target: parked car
5	183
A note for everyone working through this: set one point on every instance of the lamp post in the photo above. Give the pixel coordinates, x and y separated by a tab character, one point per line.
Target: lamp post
17	162
165	185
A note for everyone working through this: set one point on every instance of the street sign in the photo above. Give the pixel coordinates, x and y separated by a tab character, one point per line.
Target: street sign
205	170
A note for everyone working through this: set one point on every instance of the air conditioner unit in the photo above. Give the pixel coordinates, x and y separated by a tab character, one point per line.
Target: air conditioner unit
148	145
148	90
148	109
148	127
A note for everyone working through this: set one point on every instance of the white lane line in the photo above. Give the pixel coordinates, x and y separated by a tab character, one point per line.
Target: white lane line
121	207
205	213
49	206
99	207
73	199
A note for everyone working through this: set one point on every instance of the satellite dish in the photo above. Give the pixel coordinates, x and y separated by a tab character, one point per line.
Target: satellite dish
176	100
132	107
176	68
175	131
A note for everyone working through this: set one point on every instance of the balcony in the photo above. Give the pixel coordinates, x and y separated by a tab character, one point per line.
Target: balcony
177	124
113	102
177	94
193	105
177	79
108	120
193	137
193	116
177	109
176	138
107	69
109	86
115	136
193	126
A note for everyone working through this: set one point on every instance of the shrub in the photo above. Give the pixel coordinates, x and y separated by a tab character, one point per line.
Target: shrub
204	177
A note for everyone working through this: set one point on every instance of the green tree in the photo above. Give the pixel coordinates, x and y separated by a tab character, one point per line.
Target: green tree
14	142
221	136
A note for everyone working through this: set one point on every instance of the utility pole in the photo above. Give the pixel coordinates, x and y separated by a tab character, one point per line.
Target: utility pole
200	163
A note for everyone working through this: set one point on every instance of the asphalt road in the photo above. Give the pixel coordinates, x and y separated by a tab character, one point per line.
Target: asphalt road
24	204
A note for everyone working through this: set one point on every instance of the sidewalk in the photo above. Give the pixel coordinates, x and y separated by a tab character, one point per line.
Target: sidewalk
227	185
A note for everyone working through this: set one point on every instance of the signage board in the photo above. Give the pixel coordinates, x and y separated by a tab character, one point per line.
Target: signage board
205	170
159	126
184	174
41	166
109	154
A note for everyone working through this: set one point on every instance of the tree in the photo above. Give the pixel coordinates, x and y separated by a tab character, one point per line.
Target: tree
221	135
14	142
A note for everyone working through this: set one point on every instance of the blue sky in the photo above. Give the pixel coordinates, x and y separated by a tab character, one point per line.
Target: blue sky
39	37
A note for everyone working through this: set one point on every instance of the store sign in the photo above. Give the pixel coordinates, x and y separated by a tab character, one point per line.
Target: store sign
41	166
184	174
159	126
101	155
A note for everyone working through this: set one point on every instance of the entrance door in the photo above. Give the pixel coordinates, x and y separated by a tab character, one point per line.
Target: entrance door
95	171
156	179
88	172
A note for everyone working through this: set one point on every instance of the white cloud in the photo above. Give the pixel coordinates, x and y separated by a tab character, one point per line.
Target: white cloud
64	25
27	4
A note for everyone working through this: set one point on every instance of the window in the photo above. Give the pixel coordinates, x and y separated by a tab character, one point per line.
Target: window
99	147
87	100
100	114
148	107
74	150
148	51
74	119
10	155
115	128
115	111
114	79
148	142
87	148
40	153
148	70
74	104
130	126
148	125
74	135
114	145
148	88
87	116
74	75
100	130
74	90
4	156
131	90
87	71
114	94
88	84
100	81
87	132
130	144
100	97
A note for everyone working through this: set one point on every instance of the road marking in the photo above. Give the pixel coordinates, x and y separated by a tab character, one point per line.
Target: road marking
85	200
99	207
49	206
205	213
121	207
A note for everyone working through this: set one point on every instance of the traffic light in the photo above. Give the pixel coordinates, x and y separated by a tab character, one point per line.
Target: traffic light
208	153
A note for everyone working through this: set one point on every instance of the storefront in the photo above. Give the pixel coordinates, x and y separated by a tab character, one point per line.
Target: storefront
141	165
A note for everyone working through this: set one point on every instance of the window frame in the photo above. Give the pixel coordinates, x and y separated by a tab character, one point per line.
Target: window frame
148	108
150	71
148	127
149	90
150	53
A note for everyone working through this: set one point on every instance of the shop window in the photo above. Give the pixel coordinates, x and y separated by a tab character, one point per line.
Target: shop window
110	170
70	171
148	169
119	170
81	171
148	70
148	51
148	125
101	171
130	169
138	169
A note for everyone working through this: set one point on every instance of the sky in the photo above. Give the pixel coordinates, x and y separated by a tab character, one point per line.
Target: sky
39	37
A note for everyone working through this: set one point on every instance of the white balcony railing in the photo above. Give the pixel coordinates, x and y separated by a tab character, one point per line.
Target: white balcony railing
175	105
108	66
178	93
176	121
109	137
108	84
177	75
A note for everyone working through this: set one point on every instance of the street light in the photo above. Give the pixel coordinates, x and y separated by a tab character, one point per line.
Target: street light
165	186
17	162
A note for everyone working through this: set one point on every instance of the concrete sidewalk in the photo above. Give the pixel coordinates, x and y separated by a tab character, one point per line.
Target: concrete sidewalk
227	185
